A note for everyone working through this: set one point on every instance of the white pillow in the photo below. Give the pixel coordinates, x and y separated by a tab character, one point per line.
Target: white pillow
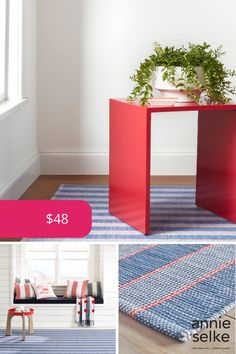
43	291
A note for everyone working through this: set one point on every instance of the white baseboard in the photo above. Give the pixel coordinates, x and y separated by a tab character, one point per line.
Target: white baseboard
21	178
170	163
74	163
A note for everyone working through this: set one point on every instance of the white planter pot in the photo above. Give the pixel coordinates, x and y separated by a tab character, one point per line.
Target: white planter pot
167	90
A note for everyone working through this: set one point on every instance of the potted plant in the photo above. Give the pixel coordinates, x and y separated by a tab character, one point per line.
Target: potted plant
185	73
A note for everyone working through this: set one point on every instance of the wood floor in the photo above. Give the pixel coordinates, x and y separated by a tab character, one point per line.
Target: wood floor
45	186
135	338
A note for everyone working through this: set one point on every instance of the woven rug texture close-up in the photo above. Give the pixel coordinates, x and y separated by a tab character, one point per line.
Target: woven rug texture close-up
174	216
168	287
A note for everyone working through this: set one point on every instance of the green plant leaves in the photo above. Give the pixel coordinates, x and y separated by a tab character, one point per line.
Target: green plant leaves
216	77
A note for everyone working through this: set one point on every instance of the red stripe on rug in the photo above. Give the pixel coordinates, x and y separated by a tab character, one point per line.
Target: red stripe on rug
146	307
144	276
137	252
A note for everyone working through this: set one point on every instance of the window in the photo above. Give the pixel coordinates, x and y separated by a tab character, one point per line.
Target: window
10	50
56	263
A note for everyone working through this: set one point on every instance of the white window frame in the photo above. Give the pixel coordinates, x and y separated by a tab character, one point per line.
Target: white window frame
13	55
58	251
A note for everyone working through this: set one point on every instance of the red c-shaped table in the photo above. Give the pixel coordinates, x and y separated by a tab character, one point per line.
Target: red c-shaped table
129	170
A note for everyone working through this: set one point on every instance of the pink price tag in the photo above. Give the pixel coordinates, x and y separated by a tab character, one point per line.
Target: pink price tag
44	218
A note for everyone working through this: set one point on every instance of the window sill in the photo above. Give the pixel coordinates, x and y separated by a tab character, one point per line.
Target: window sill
10	107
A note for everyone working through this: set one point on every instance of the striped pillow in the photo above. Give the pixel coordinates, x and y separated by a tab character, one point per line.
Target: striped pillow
24	291
76	288
94	289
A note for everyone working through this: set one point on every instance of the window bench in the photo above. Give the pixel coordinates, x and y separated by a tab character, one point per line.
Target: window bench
59	291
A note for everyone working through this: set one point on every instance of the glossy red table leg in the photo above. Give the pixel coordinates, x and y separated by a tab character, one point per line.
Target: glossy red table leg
129	194
216	164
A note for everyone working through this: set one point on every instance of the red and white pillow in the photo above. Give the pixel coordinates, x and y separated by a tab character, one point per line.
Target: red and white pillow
76	288
24	291
43	291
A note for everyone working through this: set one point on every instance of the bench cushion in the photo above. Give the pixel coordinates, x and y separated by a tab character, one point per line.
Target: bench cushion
54	300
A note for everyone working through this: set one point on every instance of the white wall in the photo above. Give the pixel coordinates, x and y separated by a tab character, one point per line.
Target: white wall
61	316
19	158
6	282
87	51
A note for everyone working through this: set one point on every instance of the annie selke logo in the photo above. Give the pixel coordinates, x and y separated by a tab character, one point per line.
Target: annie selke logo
216	333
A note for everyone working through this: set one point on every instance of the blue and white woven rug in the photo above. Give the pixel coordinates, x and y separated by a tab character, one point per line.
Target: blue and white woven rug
174	216
48	341
167	287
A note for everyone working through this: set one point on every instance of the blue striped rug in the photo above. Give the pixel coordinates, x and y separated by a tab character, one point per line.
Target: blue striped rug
79	341
166	287
174	216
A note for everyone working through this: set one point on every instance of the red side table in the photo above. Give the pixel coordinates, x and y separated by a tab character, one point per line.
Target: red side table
12	312
130	141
